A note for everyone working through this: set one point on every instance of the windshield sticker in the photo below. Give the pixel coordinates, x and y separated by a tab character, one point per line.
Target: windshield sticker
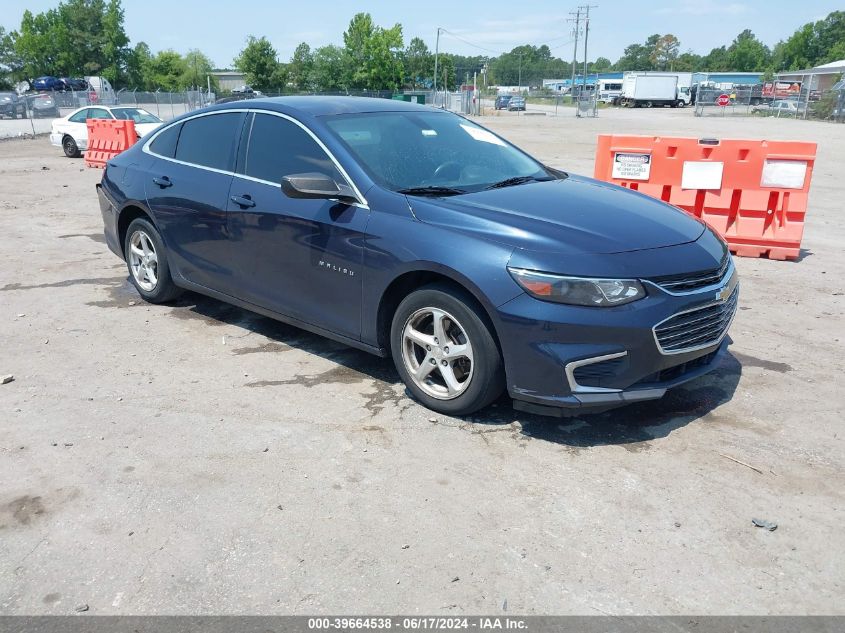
482	135
429	132
356	136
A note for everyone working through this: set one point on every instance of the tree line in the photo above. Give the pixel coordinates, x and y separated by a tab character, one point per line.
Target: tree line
87	37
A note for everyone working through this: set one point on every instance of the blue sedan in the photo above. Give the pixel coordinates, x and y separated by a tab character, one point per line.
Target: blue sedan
416	234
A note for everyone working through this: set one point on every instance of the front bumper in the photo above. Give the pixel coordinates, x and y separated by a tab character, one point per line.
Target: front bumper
559	356
110	225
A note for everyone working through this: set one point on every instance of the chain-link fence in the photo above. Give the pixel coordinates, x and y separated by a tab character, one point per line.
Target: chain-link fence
801	103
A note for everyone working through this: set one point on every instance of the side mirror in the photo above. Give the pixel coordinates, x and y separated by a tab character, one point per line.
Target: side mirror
315	185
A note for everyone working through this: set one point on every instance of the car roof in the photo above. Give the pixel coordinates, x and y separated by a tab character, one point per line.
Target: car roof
327	105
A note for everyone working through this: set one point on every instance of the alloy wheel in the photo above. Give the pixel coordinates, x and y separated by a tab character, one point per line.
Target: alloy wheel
143	260
437	353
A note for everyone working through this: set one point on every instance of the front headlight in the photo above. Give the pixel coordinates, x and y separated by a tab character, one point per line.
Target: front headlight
578	291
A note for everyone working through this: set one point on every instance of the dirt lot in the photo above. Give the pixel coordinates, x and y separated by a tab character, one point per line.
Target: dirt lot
197	458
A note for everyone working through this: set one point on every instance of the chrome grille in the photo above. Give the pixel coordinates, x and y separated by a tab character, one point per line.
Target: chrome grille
698	328
688	283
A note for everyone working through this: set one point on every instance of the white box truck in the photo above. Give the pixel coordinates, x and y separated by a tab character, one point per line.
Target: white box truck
646	90
684	89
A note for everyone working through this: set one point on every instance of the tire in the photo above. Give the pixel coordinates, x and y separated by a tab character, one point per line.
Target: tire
70	147
146	259
476	375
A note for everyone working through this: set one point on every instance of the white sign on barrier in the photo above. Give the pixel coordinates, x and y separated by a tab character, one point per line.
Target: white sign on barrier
785	174
627	166
702	175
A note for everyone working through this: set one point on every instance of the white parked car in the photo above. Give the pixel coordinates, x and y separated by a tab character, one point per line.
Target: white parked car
777	108
71	132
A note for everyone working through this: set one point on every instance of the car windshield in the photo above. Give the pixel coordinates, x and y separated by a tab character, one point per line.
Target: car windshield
432	150
135	114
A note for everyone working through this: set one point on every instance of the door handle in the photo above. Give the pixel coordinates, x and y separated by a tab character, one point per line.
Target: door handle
243	201
162	181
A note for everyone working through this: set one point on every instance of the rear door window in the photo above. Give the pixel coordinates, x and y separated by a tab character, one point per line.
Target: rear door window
210	140
165	143
278	147
79	117
99	113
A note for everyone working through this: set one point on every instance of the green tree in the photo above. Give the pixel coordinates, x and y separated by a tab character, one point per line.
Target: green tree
688	62
747	53
716	60
327	69
812	44
259	62
10	62
601	65
300	68
137	67
419	64
198	69
166	71
372	55
638	56
115	43
78	37
665	52
33	44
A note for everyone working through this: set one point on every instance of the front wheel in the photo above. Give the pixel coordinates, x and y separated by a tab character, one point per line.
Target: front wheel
445	352
147	262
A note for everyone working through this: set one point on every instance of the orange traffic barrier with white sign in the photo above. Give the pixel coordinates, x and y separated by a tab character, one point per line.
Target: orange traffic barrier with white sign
107	138
753	193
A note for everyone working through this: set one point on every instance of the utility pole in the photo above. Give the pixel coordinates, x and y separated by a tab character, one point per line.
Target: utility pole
436	55
586	37
519	80
577	21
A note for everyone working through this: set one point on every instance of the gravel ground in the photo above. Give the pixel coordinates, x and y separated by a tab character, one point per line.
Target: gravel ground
197	458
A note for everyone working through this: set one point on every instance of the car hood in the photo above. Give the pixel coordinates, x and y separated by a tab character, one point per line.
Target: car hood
572	215
145	128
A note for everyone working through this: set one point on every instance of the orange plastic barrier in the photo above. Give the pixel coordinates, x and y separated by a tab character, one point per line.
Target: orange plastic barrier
753	193
107	138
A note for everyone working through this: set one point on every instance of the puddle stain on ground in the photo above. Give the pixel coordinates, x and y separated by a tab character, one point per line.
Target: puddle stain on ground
96	237
22	510
26	510
262	349
93	281
366	368
632	427
121	292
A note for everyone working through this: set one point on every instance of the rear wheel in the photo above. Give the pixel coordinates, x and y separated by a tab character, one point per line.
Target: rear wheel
70	147
147	262
444	351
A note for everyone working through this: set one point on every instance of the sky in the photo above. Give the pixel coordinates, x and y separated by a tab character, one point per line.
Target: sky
473	27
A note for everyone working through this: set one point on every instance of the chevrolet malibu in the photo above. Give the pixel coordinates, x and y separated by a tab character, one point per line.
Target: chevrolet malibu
414	233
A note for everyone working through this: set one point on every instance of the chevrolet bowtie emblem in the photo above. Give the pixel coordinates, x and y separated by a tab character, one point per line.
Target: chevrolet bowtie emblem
723	294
